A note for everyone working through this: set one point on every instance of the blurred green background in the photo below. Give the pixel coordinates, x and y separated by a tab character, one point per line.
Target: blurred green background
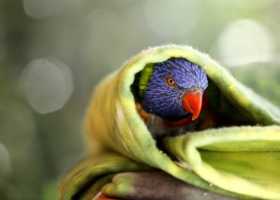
53	52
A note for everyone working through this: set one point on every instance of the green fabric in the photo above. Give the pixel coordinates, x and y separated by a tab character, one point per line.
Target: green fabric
238	160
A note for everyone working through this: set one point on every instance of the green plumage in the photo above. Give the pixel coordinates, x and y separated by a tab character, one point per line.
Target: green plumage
145	76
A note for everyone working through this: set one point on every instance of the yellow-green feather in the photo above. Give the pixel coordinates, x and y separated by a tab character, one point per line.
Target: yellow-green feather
145	77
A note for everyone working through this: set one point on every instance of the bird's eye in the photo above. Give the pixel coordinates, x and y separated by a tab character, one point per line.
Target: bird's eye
170	82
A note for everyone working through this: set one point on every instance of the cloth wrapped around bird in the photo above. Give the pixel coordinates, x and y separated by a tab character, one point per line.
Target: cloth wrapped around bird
237	156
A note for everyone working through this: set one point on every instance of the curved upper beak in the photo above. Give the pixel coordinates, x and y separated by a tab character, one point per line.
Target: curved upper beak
192	102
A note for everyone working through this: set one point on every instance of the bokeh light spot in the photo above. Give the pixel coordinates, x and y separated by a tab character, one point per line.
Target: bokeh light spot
245	41
47	84
47	8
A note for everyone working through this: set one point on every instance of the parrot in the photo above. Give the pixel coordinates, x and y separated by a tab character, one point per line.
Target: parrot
170	95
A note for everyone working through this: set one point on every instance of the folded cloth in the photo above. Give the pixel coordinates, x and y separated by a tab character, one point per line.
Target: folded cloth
237	156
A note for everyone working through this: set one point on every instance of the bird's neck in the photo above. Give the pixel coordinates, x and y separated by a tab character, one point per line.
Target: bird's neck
178	123
168	123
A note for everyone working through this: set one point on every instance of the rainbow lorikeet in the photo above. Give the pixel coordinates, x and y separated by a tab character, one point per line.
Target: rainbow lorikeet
169	95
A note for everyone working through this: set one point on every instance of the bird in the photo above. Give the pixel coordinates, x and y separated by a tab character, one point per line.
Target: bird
169	95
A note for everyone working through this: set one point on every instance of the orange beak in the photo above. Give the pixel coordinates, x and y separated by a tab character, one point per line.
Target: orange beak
192	102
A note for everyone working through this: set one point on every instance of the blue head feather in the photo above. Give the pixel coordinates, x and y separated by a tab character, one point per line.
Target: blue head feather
165	101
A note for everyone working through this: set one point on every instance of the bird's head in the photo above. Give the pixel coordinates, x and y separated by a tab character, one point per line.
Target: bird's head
173	89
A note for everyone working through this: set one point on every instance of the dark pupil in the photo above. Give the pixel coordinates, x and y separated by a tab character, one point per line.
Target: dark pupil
171	81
